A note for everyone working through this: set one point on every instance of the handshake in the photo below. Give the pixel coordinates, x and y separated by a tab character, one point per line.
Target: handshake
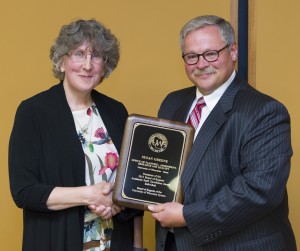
100	202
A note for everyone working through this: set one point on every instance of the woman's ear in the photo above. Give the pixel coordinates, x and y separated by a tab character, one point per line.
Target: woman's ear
62	68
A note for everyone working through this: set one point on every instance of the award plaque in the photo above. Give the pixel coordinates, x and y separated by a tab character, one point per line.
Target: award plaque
152	158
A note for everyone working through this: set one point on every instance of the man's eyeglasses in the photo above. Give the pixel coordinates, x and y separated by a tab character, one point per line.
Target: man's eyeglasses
80	56
209	56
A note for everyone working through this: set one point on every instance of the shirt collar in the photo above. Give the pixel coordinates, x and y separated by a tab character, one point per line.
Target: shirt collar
212	99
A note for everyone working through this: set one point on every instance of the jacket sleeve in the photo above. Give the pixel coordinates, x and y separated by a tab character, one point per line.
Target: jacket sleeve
25	149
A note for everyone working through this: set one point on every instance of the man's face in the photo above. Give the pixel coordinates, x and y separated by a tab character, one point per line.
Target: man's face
208	76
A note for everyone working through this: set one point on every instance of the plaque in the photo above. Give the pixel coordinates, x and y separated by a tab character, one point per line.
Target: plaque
152	157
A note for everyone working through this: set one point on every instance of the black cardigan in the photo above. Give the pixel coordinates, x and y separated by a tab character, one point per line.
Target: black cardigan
44	152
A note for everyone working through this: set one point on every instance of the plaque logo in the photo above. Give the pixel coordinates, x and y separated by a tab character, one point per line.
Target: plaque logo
158	142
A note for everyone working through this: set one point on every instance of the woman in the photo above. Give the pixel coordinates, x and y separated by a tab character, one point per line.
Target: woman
63	151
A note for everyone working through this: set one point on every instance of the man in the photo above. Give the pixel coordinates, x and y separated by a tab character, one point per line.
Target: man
234	181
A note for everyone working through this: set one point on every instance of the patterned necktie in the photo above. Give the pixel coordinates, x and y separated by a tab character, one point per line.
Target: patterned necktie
195	116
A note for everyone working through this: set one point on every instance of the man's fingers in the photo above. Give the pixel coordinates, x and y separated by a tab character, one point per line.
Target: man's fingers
107	188
156	208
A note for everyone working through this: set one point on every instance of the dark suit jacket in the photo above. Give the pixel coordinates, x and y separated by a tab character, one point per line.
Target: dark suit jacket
234	181
45	152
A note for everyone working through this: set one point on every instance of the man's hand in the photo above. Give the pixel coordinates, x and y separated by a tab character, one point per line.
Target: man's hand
168	214
105	212
104	208
101	194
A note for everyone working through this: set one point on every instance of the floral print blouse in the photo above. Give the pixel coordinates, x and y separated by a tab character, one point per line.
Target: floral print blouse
101	160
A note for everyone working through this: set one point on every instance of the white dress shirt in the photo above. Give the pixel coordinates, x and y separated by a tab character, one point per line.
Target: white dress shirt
210	100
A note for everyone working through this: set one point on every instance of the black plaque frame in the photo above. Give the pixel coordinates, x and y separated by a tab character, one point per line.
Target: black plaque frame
152	158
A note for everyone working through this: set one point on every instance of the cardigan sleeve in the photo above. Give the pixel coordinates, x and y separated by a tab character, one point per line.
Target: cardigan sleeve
25	149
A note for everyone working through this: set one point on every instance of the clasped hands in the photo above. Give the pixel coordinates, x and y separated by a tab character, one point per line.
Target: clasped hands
168	214
102	204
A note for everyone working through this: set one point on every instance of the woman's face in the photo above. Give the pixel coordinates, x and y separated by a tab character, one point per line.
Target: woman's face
82	76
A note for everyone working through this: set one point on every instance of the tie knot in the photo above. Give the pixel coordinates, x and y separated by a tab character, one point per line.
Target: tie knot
200	103
195	116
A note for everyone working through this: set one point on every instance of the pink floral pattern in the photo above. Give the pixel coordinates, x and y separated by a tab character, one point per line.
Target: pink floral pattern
100	133
89	111
111	162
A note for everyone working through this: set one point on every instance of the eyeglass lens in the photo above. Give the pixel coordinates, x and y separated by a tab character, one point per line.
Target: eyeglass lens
209	56
80	56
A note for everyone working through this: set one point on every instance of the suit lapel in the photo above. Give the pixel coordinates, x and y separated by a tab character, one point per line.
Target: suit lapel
182	111
209	129
201	143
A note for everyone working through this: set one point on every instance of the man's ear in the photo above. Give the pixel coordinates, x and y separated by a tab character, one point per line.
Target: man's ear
234	51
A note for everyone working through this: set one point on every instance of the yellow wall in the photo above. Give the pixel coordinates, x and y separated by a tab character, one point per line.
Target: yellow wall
277	69
150	67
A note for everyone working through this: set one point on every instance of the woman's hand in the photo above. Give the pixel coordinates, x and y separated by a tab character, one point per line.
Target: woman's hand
104	206
105	212
101	194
